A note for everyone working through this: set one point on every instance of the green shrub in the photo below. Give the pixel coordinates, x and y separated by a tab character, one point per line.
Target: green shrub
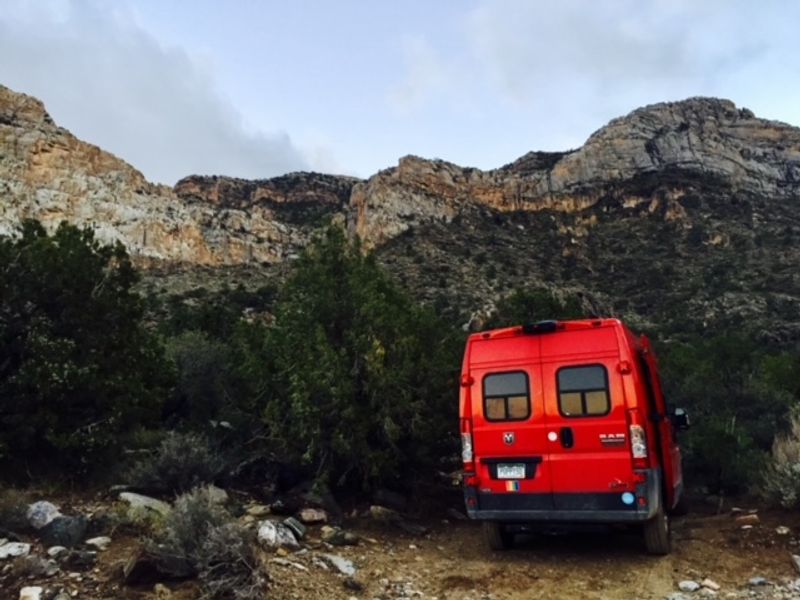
739	396
357	382
78	370
181	462
203	379
200	538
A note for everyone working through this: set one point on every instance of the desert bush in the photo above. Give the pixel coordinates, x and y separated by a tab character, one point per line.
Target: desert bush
181	462
739	397
782	477
356	382
13	509
202	379
78	369
200	537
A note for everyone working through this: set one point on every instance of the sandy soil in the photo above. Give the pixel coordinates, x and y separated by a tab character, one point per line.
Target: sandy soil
452	562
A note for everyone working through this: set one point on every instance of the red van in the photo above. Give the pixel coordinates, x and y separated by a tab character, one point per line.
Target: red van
563	423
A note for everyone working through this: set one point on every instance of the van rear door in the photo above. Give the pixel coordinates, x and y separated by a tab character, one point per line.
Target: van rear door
509	425
591	466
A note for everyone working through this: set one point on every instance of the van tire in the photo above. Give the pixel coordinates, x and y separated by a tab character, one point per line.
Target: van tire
657	537
497	536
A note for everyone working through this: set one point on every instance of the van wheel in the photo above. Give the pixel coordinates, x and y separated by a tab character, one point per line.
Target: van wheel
497	536
657	533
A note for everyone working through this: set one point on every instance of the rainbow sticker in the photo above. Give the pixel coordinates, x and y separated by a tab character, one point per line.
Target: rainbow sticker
512	486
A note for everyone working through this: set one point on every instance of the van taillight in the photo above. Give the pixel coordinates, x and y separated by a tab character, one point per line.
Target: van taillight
467	454
638	438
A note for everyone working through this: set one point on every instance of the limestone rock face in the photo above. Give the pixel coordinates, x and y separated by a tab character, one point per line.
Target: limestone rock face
48	174
683	212
699	136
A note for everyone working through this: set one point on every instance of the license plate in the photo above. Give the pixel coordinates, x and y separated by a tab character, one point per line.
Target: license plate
511	471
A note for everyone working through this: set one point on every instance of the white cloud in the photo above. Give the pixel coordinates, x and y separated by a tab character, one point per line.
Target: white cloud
111	83
425	77
562	68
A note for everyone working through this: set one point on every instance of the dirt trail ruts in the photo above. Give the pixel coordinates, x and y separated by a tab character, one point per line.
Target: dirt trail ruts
451	562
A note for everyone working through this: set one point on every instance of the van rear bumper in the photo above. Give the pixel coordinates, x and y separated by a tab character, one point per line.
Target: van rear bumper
566	508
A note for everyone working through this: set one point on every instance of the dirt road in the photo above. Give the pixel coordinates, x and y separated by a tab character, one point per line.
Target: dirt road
451	562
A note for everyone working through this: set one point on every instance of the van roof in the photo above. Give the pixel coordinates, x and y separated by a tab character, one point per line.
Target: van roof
544	327
541	341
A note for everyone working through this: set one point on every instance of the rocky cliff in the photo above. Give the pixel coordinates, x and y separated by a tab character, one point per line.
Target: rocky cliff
48	174
699	137
682	212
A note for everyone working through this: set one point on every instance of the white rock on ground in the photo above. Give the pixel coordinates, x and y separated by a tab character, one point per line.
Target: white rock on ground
56	551
140	502
688	586
100	543
312	515
276	535
41	513
30	593
341	564
14	549
710	584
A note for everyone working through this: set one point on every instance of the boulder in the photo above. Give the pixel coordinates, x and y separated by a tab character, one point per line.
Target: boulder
99	543
341	564
14	549
710	584
41	513
750	519
273	535
796	562
688	586
298	529
57	552
145	504
312	516
31	593
336	537
64	531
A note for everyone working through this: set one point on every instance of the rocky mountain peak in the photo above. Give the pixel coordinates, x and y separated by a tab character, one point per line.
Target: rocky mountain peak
21	110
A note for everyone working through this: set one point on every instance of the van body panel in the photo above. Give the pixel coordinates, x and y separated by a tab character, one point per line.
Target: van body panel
568	455
510	442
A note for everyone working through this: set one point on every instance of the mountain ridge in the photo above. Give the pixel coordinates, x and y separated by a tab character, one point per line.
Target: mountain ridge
682	185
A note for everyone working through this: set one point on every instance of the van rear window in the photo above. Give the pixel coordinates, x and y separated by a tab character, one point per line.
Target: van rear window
583	391
506	397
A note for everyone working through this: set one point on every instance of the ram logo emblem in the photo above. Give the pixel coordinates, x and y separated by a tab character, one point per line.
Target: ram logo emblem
509	437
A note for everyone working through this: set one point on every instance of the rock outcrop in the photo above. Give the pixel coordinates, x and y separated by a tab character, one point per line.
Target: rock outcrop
681	208
697	137
48	174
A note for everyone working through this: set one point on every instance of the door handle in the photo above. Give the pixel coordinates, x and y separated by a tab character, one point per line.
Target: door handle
567	437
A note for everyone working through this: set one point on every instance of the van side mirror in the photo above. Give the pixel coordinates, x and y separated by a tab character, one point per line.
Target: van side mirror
680	420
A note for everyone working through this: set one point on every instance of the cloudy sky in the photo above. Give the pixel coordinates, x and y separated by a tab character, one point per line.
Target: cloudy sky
258	88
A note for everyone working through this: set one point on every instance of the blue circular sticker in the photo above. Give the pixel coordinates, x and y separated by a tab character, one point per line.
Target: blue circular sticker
628	498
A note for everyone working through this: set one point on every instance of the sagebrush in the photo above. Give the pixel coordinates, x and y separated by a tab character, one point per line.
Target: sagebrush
200	538
181	461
